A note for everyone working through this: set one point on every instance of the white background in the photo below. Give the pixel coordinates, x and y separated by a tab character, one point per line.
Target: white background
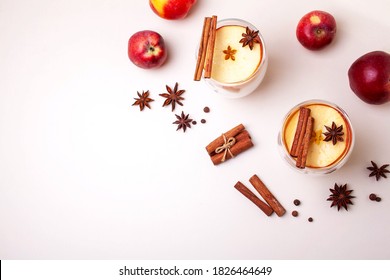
85	175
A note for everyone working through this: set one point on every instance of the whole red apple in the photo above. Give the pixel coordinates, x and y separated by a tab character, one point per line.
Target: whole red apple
146	49
171	9
316	30
369	77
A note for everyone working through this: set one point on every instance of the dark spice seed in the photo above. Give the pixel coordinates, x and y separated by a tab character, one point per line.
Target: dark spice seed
194	122
206	109
297	202
294	213
378	199
203	121
310	219
372	196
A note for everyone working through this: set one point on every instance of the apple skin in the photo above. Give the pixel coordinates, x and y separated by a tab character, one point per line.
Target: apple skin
369	77
147	49
171	9
316	29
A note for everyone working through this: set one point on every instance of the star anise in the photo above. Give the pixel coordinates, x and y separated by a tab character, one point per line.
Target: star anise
250	37
183	121
173	96
334	133
143	100
229	53
378	171
340	197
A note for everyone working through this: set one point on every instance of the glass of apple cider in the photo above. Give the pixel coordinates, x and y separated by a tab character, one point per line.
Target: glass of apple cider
331	138
239	58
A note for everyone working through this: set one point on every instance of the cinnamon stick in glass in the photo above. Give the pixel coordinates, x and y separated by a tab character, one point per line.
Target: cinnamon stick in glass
252	197
210	48
202	49
267	195
304	114
304	148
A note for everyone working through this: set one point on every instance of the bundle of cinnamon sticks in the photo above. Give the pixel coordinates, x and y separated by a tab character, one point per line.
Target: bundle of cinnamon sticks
271	205
206	48
300	146
229	144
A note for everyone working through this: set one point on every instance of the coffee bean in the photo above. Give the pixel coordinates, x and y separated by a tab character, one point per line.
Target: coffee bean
194	122
372	196
297	202
294	213
203	121
206	109
378	199
310	219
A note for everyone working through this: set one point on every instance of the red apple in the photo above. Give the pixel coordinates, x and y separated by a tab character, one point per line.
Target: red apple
316	30
369	77
146	49
171	9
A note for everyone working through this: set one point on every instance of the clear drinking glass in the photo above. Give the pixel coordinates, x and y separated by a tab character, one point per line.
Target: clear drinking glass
248	73
324	157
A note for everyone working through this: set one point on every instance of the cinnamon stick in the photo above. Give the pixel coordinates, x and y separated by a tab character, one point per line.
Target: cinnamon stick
300	130
304	148
202	49
210	148
243	143
210	48
252	197
267	195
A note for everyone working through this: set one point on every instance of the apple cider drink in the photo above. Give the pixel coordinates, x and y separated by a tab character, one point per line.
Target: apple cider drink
316	137
239	60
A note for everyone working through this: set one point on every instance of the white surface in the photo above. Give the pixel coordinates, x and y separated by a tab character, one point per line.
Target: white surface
83	174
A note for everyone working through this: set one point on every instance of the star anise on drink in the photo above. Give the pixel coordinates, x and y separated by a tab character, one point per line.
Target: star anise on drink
143	100
173	96
250	37
334	133
183	121
229	53
378	171
340	196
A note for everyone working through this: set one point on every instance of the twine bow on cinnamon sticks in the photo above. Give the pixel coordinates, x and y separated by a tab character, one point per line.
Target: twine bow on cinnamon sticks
225	148
229	144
